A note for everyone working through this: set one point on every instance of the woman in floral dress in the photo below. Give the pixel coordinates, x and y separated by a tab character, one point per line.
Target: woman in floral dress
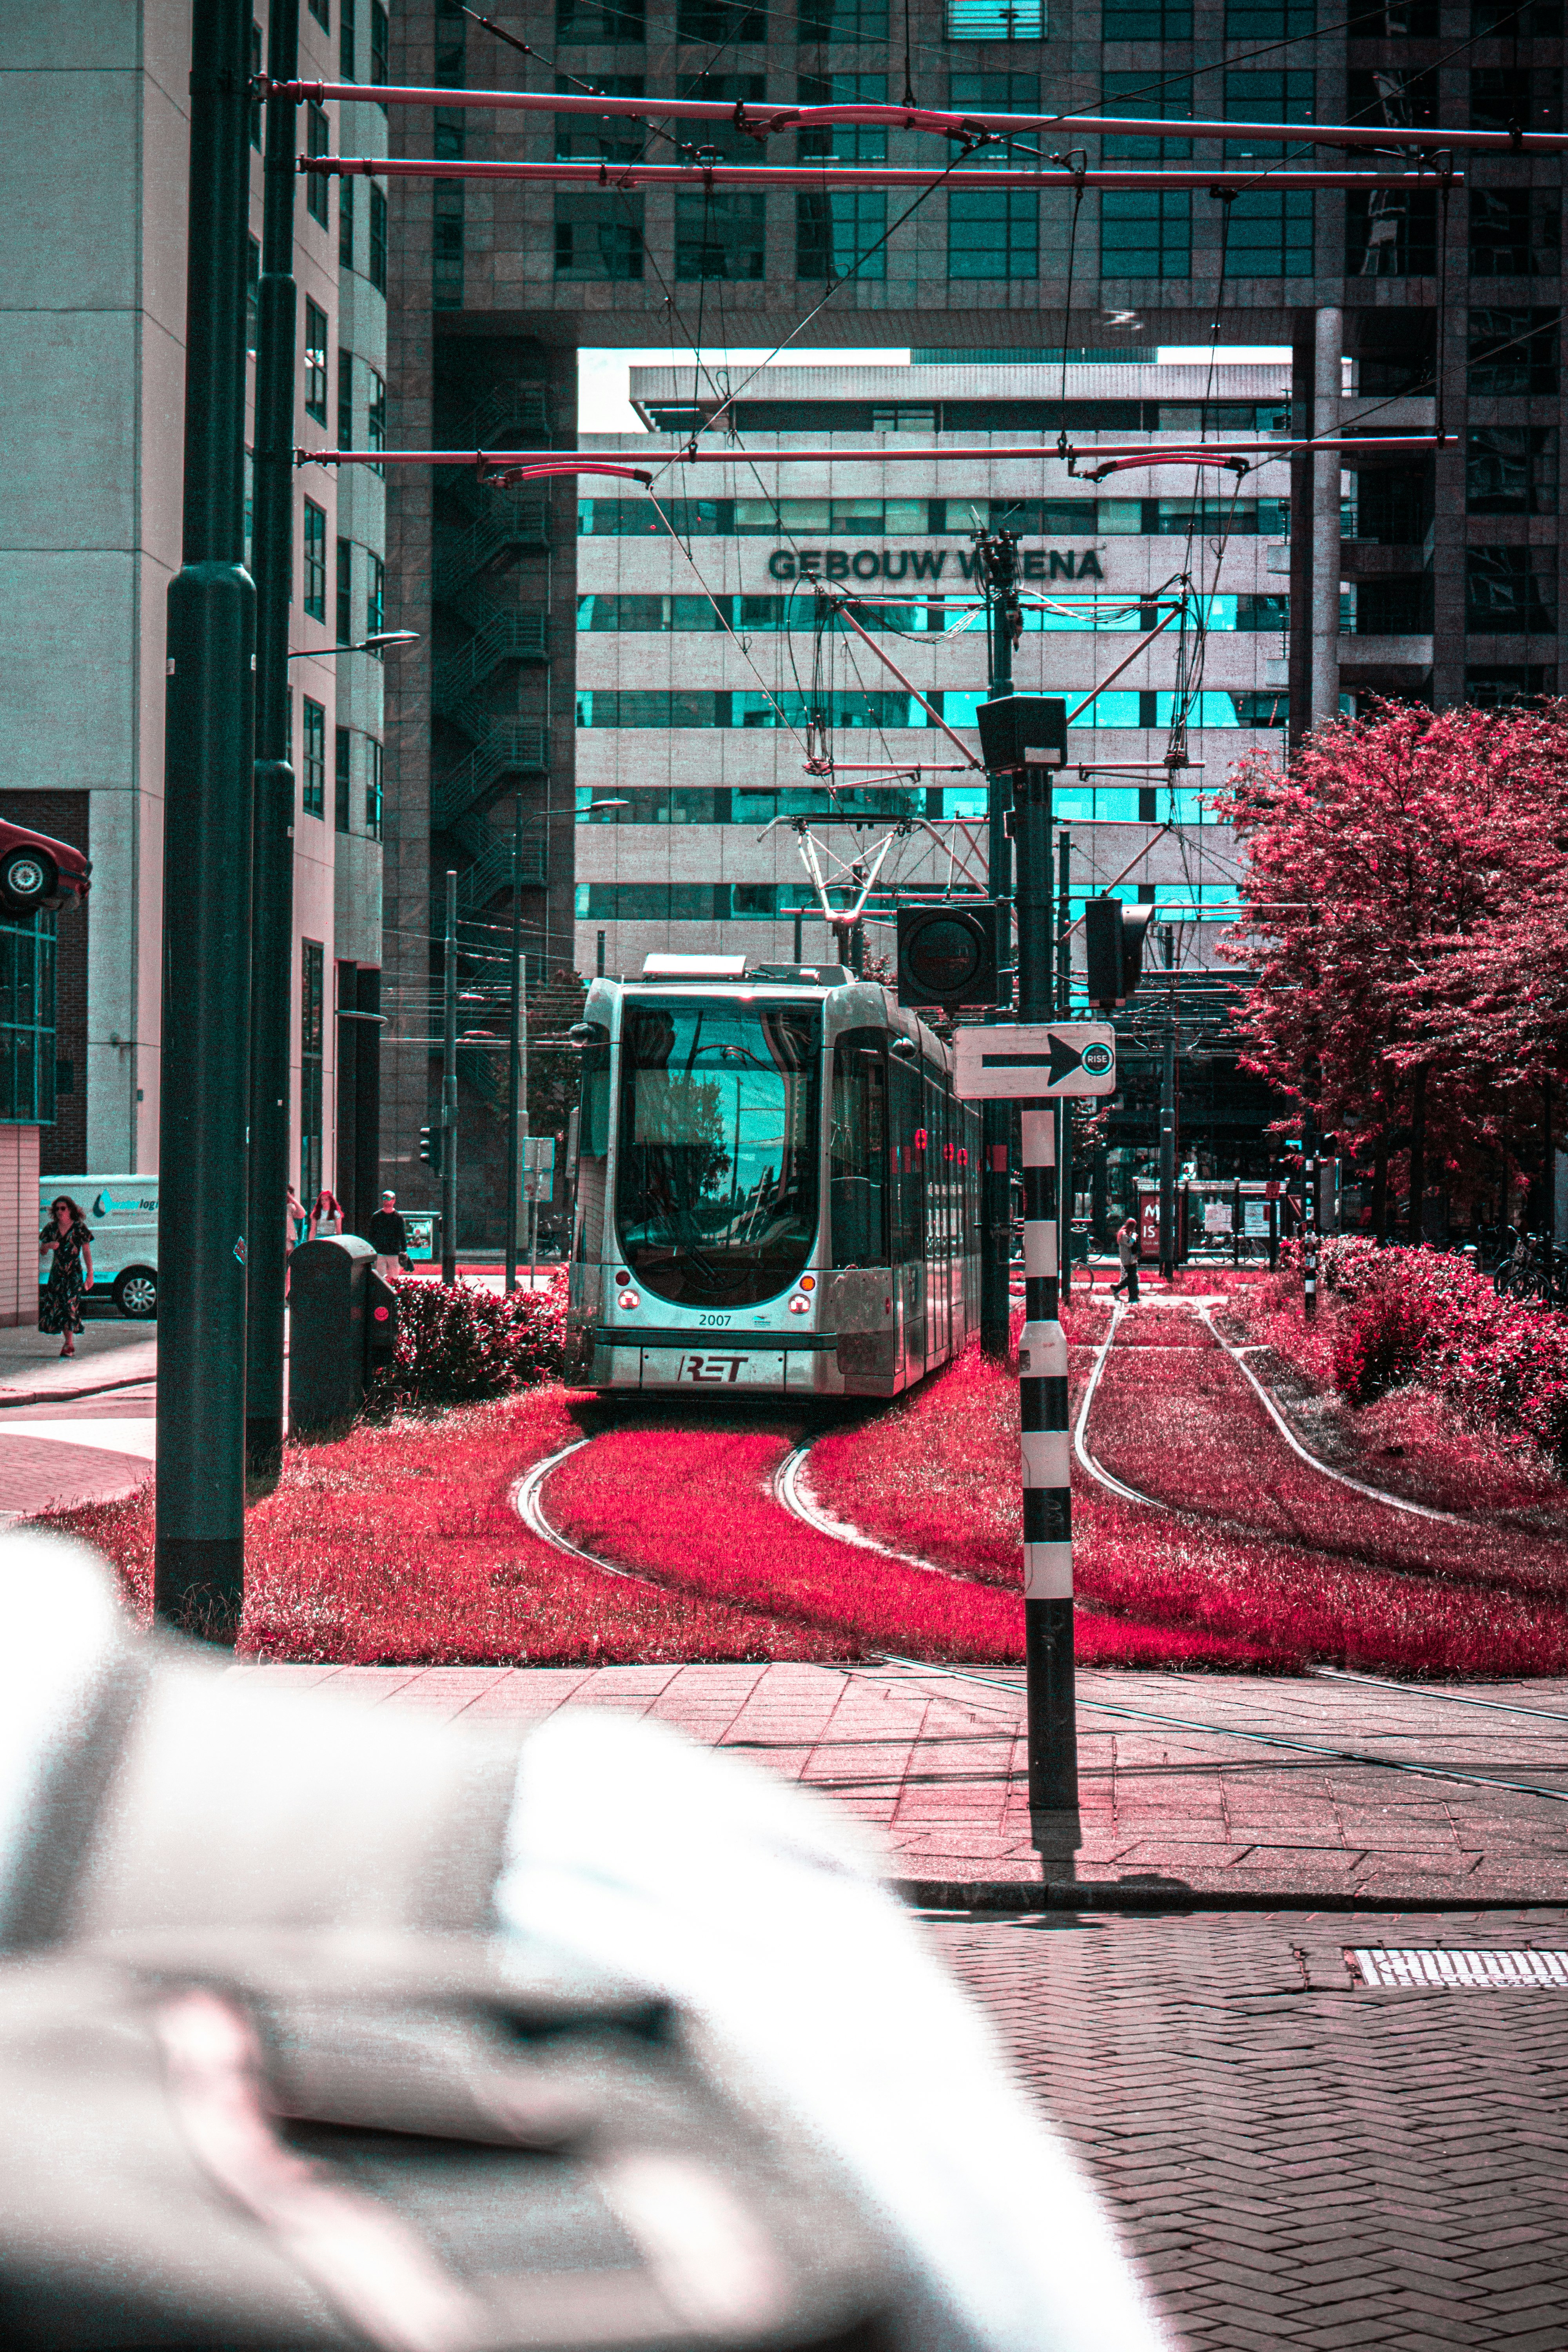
70	1276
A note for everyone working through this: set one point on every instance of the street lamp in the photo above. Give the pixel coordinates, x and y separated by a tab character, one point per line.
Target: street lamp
373	645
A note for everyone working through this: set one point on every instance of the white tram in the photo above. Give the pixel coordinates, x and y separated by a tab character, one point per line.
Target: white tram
776	1189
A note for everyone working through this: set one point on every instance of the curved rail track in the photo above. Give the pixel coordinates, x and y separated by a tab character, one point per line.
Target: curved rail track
792	1492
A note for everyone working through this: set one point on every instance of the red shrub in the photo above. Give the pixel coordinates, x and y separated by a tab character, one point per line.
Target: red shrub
456	1345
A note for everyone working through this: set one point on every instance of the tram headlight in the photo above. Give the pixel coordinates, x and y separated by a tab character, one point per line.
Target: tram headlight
799	1305
629	1298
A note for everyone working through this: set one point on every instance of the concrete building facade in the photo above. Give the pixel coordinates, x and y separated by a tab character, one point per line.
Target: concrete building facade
95	136
1447	305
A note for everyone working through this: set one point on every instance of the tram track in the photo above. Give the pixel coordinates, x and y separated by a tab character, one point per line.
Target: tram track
527	1499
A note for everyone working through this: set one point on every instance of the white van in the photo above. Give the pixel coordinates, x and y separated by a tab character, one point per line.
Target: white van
123	1213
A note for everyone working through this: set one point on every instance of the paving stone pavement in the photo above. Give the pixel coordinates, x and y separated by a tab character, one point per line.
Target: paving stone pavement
937	1765
1295	2160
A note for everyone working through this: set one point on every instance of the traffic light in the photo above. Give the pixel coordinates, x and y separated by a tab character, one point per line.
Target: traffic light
947	954
430	1147
1113	937
1020	724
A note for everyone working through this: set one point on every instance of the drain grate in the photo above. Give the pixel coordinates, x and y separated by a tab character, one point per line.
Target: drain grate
1492	1971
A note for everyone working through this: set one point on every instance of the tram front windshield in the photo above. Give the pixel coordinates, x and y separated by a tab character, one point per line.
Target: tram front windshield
716	1190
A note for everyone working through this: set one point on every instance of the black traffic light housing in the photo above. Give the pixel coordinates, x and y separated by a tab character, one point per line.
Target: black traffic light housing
1023	731
430	1147
1113	937
948	955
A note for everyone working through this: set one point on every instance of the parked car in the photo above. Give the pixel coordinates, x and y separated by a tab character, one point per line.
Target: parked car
36	871
122	1212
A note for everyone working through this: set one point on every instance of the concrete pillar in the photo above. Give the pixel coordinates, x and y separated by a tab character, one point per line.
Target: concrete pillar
1328	345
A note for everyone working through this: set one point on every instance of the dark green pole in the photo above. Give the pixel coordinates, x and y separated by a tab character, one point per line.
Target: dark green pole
449	1089
515	1106
995	1189
272	827
199	1569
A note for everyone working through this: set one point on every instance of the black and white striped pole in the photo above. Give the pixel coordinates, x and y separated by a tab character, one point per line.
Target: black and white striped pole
1044	1445
1039	1064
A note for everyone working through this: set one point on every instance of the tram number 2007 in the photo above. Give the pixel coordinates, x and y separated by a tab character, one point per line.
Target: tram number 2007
714	1322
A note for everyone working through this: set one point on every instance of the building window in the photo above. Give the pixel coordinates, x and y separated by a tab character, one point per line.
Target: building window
322	11
995	20
1004	93
1128	93
1511	591
993	234
252	293
315	360
582	139
341	780
1498	689
1515	232
345	223
1146	234
380	42
375	418
313	776
346	41
1537	20
373	787
345	623
345	398
375	601
1268	233
315	552
255	68
313	1023
598	236
1390	234
1512	469
718	23
249	508
842	20
447	257
600	22
1512	351
832	233
1146	20
842	143
720	237
378	240
1524	98
28	1071
318	137
1269	20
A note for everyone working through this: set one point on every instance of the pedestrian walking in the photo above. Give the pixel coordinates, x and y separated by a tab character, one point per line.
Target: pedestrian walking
1127	1250
388	1237
294	1222
326	1215
70	1274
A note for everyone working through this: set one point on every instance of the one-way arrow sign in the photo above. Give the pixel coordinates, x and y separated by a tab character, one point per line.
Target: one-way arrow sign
1035	1061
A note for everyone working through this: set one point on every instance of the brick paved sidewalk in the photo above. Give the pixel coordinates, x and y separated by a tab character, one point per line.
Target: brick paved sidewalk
937	1765
1294	2158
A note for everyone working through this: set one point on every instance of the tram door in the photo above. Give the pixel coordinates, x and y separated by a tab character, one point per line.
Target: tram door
907	1162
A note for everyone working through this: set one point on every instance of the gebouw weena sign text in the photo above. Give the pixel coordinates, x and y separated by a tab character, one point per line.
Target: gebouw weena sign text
922	563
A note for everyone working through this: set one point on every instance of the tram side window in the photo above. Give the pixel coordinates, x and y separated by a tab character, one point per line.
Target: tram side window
936	1169
593	1145
906	1163
857	1150
973	1135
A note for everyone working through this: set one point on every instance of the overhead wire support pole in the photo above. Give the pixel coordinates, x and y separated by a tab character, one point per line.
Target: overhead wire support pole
1000	576
272	821
198	1578
628	177
762	121
516	1111
449	1088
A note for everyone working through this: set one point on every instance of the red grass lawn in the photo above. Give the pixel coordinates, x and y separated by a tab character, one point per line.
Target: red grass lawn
398	1545
938	1474
1411	1442
692	1505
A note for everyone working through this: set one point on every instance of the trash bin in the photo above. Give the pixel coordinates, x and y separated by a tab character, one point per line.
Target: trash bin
342	1322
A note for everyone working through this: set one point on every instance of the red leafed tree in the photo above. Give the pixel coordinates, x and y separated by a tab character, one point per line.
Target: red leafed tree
1400	878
